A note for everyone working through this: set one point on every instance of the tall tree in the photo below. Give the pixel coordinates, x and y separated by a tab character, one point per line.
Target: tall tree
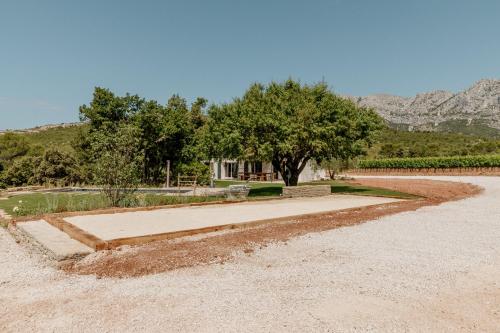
107	109
197	114
289	124
165	132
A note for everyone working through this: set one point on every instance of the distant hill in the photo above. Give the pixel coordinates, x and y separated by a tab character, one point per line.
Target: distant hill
60	136
42	128
475	110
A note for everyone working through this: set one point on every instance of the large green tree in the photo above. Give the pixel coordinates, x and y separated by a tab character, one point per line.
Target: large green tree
289	124
165	132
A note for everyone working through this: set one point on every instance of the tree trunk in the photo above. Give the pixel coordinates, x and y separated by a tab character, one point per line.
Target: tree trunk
292	168
294	178
331	173
279	166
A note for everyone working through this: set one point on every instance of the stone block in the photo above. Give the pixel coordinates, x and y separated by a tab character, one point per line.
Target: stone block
306	191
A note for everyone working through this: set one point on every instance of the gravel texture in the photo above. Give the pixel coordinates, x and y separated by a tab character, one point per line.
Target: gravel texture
434	269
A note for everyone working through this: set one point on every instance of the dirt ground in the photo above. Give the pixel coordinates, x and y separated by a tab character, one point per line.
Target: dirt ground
432	268
167	255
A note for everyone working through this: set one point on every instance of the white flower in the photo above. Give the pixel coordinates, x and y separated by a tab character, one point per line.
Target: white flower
15	209
20	201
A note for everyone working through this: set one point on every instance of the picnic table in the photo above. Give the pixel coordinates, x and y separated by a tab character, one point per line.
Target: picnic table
260	176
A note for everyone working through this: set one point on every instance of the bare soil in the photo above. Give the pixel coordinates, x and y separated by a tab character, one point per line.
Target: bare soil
168	255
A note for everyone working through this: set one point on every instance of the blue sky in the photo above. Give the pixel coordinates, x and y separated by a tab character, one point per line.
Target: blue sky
53	53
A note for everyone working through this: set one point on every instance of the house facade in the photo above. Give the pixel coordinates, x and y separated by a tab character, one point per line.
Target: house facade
259	171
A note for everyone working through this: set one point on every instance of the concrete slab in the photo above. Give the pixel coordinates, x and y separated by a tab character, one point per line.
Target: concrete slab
57	242
144	223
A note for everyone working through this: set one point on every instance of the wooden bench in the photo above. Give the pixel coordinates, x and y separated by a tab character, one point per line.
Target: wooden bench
187	181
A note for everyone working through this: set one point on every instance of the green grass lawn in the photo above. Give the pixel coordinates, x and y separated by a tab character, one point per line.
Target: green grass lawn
39	203
346	188
263	189
43	203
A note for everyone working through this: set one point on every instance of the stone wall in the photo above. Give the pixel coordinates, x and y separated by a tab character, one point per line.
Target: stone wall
306	191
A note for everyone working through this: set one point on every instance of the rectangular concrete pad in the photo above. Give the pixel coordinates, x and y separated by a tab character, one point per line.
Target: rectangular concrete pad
170	220
54	240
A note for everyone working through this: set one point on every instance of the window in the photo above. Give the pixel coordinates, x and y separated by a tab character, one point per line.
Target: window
231	169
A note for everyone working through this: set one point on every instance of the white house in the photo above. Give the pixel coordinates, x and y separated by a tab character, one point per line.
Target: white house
261	171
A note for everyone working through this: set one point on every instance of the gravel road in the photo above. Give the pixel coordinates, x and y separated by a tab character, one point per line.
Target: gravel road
435	269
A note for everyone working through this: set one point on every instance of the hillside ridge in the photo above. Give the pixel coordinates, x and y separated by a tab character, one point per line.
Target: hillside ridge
476	108
41	128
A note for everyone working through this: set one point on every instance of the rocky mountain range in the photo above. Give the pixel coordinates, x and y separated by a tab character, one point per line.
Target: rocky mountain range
475	110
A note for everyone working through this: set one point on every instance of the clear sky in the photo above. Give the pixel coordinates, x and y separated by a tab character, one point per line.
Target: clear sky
53	53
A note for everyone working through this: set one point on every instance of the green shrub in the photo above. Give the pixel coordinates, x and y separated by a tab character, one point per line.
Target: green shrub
57	168
21	172
12	146
3	184
198	169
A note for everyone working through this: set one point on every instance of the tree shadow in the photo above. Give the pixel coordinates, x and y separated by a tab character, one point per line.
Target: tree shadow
271	191
348	189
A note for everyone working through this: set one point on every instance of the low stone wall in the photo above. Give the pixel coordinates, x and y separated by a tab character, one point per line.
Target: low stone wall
306	191
493	171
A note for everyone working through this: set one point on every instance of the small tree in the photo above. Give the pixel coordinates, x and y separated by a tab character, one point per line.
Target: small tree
118	162
332	167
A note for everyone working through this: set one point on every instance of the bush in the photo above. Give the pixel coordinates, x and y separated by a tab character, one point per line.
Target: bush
12	146
54	168
3	184
198	169
21	172
57	168
432	162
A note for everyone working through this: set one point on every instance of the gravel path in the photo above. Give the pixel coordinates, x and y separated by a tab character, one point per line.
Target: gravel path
434	269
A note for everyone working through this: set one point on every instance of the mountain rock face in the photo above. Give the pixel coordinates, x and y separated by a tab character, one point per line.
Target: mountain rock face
474	111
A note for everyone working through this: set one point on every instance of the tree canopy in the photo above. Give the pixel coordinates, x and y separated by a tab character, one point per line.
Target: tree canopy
165	132
289	124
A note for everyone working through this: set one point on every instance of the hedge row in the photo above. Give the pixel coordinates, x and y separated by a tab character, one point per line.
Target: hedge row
432	162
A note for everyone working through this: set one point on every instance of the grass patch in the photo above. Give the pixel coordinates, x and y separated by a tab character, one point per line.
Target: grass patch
369	191
262	189
46	203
